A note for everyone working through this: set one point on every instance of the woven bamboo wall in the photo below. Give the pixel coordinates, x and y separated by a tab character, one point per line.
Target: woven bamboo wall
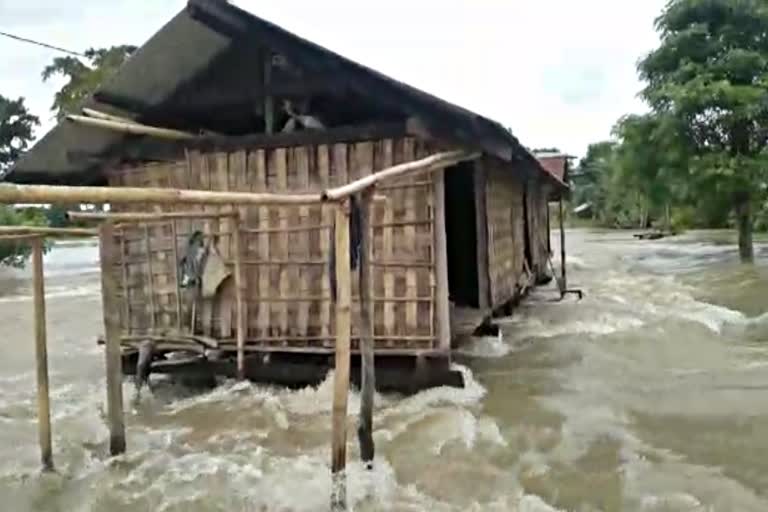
506	238
286	248
538	208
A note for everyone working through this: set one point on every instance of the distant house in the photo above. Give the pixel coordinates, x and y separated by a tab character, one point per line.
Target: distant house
266	110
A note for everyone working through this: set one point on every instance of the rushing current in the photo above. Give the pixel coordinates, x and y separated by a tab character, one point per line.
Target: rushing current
650	394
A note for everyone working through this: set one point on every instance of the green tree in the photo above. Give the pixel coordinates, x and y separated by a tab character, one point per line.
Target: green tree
652	157
84	77
710	73
16	130
592	176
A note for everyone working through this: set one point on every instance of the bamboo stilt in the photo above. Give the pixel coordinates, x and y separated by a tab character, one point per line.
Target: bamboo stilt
41	357
563	282
114	368
341	373
367	368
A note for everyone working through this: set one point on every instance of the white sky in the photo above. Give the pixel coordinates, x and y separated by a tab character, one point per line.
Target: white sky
559	73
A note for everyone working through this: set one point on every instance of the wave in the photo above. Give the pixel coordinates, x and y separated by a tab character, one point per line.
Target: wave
58	292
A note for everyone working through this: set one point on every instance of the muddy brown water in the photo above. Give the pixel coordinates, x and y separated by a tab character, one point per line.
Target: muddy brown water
651	394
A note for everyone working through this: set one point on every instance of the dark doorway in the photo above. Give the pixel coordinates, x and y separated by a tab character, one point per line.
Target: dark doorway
461	235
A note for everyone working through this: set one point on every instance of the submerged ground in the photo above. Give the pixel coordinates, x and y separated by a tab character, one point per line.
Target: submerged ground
651	394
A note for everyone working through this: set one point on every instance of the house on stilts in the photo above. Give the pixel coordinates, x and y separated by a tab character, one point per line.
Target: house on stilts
219	99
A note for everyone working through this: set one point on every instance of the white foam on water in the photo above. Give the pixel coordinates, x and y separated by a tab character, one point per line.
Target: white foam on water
601	324
673	501
58	292
485	347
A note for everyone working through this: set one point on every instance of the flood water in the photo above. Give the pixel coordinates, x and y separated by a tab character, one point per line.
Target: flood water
651	394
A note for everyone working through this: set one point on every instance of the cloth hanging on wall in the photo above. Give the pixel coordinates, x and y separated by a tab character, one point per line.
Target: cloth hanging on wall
355	243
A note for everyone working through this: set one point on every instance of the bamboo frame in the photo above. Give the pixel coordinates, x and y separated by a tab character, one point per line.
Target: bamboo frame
430	163
341	373
147	217
441	265
97	114
367	343
134	195
240	291
112	332
131	127
563	281
56	194
41	357
34	231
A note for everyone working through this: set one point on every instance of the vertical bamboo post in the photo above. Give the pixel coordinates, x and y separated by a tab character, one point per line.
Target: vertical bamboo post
41	356
441	265
242	320
341	373
112	333
367	372
563	282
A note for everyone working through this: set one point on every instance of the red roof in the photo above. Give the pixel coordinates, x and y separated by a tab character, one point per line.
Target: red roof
557	166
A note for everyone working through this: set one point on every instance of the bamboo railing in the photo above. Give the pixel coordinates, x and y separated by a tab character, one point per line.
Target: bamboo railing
340	195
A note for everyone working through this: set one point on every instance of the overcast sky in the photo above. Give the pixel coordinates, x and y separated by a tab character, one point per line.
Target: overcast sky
557	72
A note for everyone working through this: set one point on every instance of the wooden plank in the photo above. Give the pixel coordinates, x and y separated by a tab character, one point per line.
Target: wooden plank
240	291
481	227
150	279
280	170
177	277
409	238
388	247
112	333
324	170
126	295
563	280
302	170
261	183
341	373
443	309
367	373
339	164
41	358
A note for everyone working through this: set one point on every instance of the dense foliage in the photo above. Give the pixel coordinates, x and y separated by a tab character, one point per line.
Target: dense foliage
84	77
700	156
16	127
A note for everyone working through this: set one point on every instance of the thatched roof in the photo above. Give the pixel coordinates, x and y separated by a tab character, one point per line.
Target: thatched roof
200	71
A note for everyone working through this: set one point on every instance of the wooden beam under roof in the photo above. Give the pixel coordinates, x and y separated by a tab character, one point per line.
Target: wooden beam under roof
204	101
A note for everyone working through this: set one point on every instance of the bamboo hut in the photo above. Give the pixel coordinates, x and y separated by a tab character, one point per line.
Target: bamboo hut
221	100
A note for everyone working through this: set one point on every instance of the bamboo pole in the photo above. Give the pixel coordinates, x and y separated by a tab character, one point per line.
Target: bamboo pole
341	373
46	231
430	163
443	312
114	368
563	282
97	114
240	290
132	127
41	357
17	238
146	217
367	367
134	195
